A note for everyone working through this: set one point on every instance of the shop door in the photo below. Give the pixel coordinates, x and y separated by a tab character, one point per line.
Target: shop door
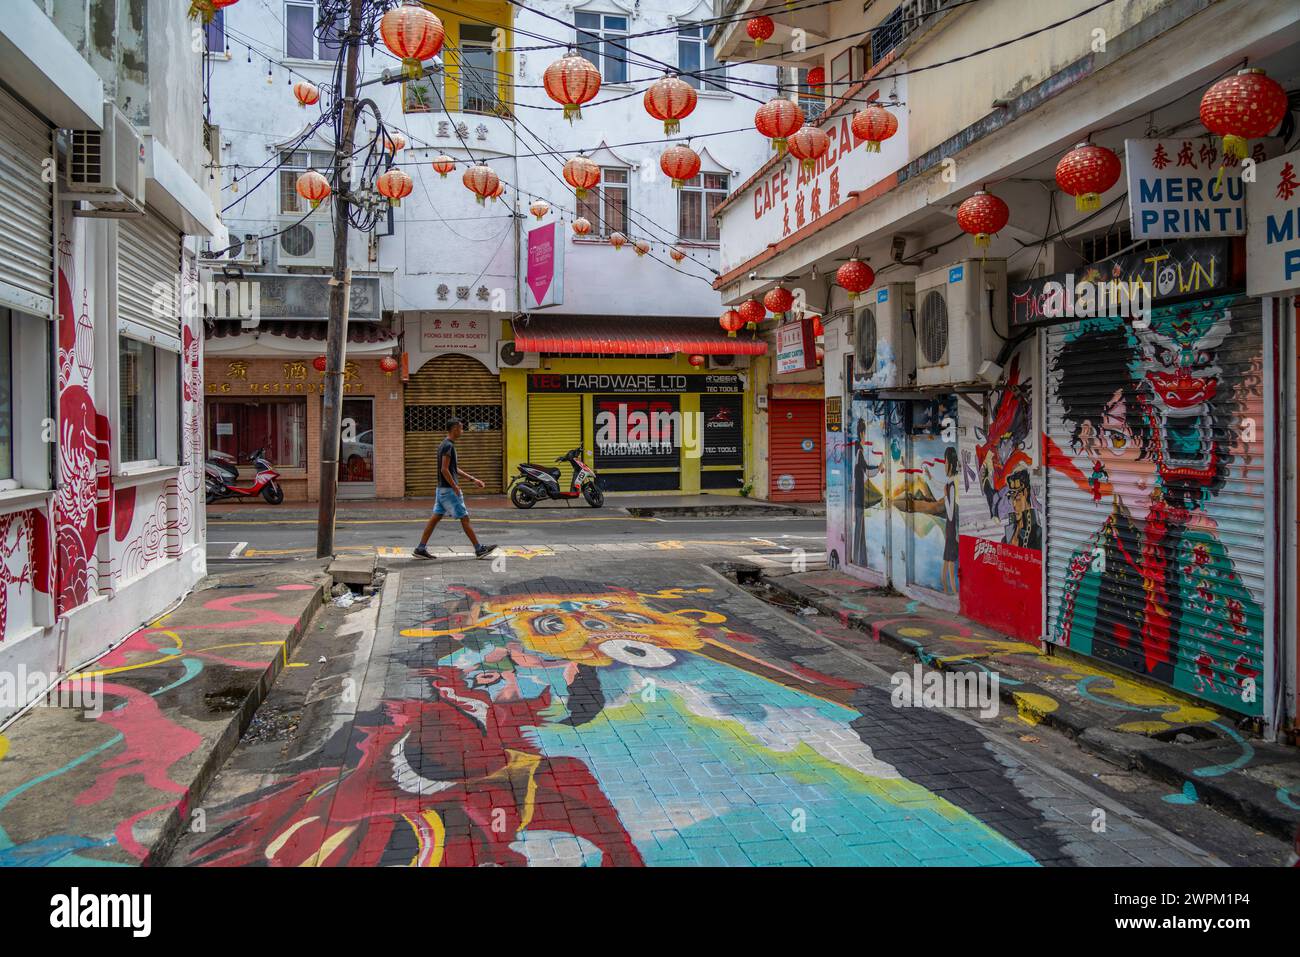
454	387
357	449
1156	503
925	487
796	465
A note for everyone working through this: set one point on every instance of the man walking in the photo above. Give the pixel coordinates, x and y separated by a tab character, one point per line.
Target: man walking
449	497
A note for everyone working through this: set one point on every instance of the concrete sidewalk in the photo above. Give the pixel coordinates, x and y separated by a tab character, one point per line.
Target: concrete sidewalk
108	778
634	504
1132	723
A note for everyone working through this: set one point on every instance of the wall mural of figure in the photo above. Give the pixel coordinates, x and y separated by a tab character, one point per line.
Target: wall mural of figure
1004	457
1153	425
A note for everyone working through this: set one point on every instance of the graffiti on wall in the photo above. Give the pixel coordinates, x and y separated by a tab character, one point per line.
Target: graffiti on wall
558	715
1158	586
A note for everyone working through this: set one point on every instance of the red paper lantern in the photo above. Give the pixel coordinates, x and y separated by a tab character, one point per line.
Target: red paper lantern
207	9
778	301
498	192
731	321
855	277
539	208
819	328
696	360
482	181
670	99
443	164
319	363
808	145
875	124
753	312
393	142
617	240
760	29
412	33
581	226
388	364
1085	173
307	93
676	254
641	247
777	119
313	187
982	215
1243	107
582	174
394	184
816	79
571	81
679	163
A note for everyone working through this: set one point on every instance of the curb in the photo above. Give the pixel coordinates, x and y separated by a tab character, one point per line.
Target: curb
163	841
1244	799
719	511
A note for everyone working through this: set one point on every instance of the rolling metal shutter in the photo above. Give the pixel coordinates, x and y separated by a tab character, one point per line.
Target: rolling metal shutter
448	387
554	426
148	271
1171	584
795	472
26	211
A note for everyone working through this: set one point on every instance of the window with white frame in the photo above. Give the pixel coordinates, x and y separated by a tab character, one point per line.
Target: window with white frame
478	77
599	36
293	163
300	33
148	404
695	55
605	205
697	206
25	401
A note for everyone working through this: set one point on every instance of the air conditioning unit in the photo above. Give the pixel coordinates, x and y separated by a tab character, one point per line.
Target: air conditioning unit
511	358
725	363
883	357
247	254
957	309
107	167
306	243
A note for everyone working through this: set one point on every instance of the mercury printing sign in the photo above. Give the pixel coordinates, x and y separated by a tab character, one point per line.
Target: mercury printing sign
1273	242
1174	188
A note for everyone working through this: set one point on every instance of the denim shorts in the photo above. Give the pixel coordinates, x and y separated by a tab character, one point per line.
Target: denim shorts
449	503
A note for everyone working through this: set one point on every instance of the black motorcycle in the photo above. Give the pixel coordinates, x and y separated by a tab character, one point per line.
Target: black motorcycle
536	482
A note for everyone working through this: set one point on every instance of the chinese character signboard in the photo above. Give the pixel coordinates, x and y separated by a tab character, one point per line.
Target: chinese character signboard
442	333
544	269
1175	188
795	346
1273	242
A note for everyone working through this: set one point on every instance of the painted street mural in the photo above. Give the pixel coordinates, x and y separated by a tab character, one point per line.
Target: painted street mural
1156	453
901	512
563	722
1002	527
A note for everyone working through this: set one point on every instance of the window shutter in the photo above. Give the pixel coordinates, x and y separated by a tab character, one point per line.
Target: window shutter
148	281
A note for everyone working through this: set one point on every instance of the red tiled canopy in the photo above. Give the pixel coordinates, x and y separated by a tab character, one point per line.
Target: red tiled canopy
631	335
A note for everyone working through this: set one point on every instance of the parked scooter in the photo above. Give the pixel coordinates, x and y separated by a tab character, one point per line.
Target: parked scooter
536	482
221	475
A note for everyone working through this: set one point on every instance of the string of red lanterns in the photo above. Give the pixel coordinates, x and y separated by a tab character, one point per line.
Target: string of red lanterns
414	34
571	81
855	277
394	184
778	301
752	312
313	187
777	119
581	226
483	182
617	240
443	164
1085	173
982	215
680	163
671	99
808	145
760	29
731	321
582	174
875	124
308	94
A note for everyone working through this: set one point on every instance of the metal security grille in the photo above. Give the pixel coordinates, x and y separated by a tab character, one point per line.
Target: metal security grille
148	289
934	328
26	210
454	387
1156	497
864	355
554	426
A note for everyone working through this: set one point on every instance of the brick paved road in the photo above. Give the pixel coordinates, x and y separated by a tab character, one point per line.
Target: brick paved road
629	707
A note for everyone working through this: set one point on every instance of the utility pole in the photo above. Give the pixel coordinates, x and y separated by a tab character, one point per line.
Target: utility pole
340	300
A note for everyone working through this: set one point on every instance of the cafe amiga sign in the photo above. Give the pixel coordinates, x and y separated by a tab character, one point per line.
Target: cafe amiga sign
784	198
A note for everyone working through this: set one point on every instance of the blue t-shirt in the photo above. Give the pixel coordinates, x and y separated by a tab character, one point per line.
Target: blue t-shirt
447	452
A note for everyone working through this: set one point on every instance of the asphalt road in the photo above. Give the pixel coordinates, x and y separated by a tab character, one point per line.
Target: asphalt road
236	537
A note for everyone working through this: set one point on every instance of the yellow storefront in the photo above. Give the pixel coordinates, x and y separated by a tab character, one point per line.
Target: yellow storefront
650	425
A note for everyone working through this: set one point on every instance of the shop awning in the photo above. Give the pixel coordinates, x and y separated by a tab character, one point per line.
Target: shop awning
631	335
